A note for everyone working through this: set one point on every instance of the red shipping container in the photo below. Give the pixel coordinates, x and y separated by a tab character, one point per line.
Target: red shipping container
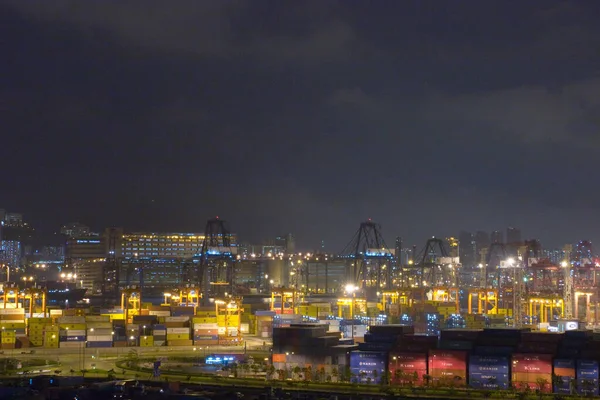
407	361
447	359
532	380
448	365
532	363
411	368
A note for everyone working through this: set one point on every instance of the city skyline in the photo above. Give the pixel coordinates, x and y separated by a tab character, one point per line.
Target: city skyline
305	117
468	241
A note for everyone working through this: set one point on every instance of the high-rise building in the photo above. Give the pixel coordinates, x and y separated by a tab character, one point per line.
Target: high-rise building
513	235
75	230
497	237
10	253
583	252
15	235
482	241
13	219
468	249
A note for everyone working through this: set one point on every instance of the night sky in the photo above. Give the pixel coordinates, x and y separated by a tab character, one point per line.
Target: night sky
303	116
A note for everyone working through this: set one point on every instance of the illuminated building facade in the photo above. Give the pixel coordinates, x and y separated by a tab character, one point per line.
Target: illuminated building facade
84	258
10	253
163	245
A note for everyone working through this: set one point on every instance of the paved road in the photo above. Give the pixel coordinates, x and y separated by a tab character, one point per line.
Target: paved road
106	358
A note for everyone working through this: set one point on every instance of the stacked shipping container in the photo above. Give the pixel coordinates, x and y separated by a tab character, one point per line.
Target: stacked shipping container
448	367
587	377
533	371
407	368
489	372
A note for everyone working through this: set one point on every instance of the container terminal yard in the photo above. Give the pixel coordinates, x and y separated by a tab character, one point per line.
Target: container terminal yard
515	320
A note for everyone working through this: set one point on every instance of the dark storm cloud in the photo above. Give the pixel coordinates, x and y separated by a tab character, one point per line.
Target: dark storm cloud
304	116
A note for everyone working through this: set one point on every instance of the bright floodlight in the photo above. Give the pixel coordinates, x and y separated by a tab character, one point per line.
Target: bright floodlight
510	261
350	288
564	264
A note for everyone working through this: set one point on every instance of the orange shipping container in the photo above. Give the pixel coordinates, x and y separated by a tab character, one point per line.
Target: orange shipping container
278	358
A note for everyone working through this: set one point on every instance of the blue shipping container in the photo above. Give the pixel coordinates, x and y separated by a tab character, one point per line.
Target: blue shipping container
71	338
99	344
588	387
587	369
489	364
564	363
563	385
488	381
206	337
363	363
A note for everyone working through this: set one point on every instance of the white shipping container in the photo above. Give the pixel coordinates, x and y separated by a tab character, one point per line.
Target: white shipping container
13	321
56	313
38	315
12	311
72	332
206	326
245	328
222	330
184	318
178	331
71	320
100	338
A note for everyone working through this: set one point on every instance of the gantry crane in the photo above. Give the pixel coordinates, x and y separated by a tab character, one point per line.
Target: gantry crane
371	260
215	272
568	284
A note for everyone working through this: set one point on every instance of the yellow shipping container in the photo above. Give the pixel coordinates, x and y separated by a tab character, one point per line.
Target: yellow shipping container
5	325
51	328
146	341
115	317
228	321
204	320
8	340
53	344
39	321
177	336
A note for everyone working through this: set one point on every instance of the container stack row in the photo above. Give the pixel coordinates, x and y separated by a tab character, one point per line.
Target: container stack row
485	359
